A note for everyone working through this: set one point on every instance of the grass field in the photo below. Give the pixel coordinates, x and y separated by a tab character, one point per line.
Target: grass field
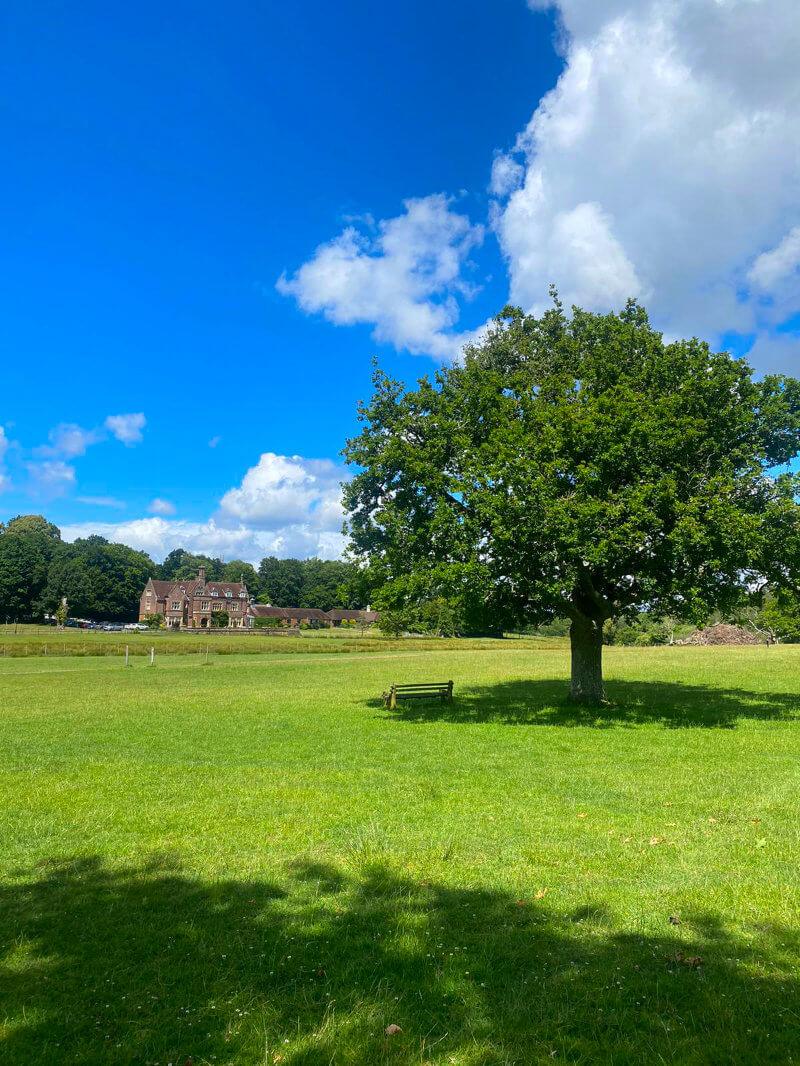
254	862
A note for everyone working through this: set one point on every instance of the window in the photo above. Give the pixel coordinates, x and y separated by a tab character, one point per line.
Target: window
216	606
175	605
205	605
242	595
228	593
214	592
234	606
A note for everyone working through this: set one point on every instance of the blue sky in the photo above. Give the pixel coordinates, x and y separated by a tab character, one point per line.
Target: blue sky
215	216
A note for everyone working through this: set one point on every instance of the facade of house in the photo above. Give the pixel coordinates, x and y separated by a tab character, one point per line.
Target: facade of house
192	604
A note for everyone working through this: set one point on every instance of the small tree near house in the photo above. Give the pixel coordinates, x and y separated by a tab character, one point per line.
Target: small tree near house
579	467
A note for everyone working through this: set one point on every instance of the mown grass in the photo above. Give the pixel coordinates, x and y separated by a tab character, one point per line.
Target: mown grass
256	862
24	641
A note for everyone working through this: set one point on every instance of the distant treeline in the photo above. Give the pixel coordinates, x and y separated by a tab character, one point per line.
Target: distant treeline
103	581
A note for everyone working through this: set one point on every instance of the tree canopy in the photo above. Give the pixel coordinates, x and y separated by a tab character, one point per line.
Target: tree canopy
577	465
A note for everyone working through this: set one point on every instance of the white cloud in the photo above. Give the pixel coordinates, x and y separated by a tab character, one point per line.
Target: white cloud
126	428
405	280
102	501
158	536
663	163
51	477
163	507
285	505
283	489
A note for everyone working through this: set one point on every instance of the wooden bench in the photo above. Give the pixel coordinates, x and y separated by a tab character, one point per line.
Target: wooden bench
440	690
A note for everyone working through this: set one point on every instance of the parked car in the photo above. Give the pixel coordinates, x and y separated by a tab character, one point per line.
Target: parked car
134	627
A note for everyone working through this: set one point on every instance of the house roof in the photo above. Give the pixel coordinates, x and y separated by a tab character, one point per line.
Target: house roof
306	612
195	587
263	610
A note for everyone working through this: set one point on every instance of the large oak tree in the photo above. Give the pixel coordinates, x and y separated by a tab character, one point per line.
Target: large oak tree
579	466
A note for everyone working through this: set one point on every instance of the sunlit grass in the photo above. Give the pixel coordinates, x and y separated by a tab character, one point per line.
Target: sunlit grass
256	862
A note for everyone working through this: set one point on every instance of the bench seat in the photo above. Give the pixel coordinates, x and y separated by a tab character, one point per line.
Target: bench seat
441	690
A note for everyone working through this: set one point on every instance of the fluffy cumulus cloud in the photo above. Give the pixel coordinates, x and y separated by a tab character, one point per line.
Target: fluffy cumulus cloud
663	165
286	489
405	278
127	428
285	505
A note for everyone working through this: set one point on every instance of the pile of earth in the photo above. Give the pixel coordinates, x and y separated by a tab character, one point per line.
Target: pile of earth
724	634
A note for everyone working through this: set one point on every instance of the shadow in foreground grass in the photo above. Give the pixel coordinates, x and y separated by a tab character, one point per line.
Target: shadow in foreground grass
150	966
630	703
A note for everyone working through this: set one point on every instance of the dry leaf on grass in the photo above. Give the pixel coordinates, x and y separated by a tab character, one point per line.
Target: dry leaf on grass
541	893
674	919
692	961
392	1030
656	840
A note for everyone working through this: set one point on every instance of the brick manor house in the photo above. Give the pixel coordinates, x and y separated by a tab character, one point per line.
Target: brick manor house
192	604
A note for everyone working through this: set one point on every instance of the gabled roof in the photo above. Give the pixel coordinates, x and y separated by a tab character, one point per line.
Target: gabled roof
161	588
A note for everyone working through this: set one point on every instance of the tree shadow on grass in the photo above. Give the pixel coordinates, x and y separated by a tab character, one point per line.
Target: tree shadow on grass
147	965
630	703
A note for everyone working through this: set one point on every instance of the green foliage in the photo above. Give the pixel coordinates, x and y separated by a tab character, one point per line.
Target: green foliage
154	621
181	565
220	619
320	583
100	580
580	467
27	544
238	570
781	617
641	631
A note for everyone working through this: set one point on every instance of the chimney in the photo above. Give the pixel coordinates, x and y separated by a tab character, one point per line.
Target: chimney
201	574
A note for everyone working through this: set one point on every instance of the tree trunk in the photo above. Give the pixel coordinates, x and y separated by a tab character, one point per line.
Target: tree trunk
586	641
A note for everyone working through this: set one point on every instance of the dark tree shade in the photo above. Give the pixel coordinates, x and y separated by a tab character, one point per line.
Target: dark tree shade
577	466
100	580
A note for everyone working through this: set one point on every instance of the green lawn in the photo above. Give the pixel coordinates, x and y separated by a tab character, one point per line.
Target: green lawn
254	862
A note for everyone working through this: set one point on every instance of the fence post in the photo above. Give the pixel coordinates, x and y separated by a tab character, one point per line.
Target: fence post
152	656
126	654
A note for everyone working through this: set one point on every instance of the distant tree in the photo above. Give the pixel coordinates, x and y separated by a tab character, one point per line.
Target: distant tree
237	570
281	581
27	544
780	617
181	565
394	621
581	467
101	581
32	525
